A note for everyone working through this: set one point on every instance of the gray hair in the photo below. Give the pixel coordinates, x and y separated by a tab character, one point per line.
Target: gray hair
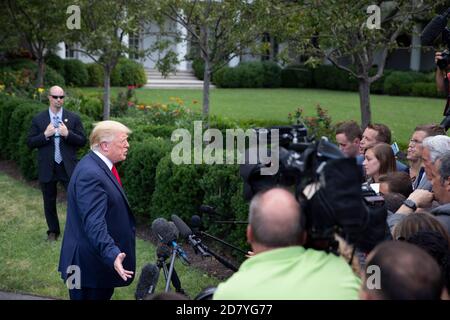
276	233
444	169
437	145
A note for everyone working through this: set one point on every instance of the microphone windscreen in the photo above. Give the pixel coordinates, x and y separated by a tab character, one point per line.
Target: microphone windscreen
196	222
162	251
161	228
432	30
184	229
147	281
174	229
207	209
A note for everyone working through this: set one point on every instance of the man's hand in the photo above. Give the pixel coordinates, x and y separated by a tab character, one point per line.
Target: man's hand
422	198
50	130
63	130
437	56
124	274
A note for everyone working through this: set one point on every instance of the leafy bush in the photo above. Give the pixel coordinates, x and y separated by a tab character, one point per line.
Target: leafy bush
378	86
198	65
96	75
254	74
177	189
271	74
226	77
401	82
75	73
330	77
223	190
128	73
139	172
426	89
297	76
56	63
53	78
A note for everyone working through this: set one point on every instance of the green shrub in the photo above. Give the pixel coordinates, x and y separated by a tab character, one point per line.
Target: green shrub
128	73
330	77
139	172
88	125
96	75
297	76
198	65
56	63
271	74
401	82
378	86
223	190
177	190
76	73
425	89
53	78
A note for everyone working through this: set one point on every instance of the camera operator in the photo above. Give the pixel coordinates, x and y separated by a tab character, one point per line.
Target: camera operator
441	74
282	268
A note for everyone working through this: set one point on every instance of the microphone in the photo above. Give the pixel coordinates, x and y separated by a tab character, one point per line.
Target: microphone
434	28
186	233
167	233
162	251
207	209
147	281
196	223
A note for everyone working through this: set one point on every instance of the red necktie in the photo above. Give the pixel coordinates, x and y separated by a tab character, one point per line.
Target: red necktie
116	174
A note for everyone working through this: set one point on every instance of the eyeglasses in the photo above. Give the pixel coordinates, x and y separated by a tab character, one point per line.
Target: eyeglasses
412	141
57	97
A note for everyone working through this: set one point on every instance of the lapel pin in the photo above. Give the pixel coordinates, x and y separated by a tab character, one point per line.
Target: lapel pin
65	120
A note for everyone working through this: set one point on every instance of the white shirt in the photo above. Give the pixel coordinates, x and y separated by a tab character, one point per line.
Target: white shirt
105	159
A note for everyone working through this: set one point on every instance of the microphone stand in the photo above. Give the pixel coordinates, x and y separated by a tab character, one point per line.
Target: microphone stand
171	269
222	242
170	273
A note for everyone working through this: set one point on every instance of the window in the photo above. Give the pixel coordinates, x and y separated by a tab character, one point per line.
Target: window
70	52
133	44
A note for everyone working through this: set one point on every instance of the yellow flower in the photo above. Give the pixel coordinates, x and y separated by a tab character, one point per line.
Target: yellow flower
40	90
2	87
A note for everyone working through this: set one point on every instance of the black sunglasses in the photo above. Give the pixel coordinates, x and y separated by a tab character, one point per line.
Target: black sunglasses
56	97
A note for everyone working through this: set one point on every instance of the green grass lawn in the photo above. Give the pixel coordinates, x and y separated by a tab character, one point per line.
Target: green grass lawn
28	263
401	114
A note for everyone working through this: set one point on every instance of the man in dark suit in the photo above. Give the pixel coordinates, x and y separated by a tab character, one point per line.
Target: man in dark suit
57	133
99	238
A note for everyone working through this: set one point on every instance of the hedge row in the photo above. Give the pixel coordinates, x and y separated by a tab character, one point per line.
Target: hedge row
249	75
155	186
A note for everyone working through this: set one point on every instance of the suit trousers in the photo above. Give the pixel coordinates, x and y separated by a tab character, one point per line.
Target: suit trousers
49	193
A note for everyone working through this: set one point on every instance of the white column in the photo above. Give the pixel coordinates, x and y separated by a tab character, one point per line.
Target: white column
234	62
61	50
182	48
125	42
416	46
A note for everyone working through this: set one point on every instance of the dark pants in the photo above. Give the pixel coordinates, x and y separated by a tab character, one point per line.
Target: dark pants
49	193
91	294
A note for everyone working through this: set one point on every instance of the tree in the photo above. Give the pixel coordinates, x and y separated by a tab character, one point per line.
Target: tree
221	30
39	25
104	27
346	34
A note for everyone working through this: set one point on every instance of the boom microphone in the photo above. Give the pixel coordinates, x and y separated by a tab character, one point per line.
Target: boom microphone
434	28
162	229
186	233
207	209
147	281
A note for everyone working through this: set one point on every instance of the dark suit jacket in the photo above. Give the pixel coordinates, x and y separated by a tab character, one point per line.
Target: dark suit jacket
46	148
99	226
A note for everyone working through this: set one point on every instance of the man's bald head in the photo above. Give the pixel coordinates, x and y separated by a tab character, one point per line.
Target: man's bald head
275	219
57	92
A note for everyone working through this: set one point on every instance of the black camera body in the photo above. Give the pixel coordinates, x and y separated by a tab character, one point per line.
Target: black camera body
329	187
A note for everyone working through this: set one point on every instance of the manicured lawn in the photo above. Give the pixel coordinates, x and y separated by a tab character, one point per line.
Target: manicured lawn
28	263
401	114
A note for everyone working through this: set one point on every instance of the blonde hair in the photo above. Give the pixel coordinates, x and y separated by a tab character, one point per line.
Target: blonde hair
104	131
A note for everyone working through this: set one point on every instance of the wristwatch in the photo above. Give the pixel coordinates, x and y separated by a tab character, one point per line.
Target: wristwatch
410	204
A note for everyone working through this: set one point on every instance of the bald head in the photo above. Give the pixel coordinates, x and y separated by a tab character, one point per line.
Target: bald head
56	103
275	219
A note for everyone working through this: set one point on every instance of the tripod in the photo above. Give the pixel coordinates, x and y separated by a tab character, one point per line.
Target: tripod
163	252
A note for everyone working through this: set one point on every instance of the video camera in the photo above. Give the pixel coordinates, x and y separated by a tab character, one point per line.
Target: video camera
436	27
329	187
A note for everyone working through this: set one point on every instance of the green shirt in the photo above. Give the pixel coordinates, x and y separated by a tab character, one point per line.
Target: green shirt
291	273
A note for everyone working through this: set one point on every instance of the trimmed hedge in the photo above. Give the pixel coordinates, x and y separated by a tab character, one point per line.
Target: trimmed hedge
96	75
254	74
128	72
139	172
297	76
198	65
76	73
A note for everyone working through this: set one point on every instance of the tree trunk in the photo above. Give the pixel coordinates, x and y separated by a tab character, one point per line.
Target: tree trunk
106	93
206	81
364	101
40	73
